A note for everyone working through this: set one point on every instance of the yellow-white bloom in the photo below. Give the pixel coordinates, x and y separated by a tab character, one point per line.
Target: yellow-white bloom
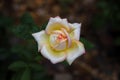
60	41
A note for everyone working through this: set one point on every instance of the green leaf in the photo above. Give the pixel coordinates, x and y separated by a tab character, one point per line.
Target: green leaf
13	77
88	45
25	31
43	26
17	65
26	27
38	58
36	66
27	19
17	75
65	63
26	74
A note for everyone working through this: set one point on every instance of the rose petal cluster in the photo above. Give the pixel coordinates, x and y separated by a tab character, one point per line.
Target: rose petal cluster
60	41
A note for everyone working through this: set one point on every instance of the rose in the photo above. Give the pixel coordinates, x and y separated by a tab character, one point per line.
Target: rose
60	41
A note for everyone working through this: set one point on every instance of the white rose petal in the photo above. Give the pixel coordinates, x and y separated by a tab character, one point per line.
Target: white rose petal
75	30
41	38
56	24
75	51
53	55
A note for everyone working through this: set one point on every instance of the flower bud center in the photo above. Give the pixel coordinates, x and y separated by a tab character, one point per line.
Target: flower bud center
58	40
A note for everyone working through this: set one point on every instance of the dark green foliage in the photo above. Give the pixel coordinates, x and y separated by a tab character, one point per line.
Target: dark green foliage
17	65
27	26
26	75
87	44
23	52
26	50
37	58
5	23
43	26
24	56
36	67
17	76
27	19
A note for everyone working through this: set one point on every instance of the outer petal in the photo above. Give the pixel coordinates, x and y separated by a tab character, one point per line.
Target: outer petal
56	24
52	55
41	38
75	33
76	50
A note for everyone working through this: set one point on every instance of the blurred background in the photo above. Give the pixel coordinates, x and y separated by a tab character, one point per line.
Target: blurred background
19	59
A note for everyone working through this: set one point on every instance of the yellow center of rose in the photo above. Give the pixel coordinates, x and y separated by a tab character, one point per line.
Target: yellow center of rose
59	40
